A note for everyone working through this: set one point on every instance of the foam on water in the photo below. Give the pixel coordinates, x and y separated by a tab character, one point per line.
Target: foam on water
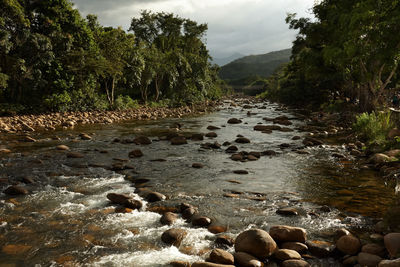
149	259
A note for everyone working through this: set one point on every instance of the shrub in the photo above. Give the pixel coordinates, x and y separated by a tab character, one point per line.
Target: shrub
374	127
125	102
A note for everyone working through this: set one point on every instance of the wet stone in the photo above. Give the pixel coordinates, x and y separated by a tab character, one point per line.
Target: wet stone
136	153
247	260
295	263
155	196
62	147
75	155
142	140
348	244
197	165
168	218
242	140
212	128
221	256
179	140
287	254
242	172
201	221
288	211
211	135
234	121
257	242
16	190
321	249
284	233
173	237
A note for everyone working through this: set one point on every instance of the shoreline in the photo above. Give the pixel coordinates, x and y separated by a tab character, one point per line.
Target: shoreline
50	121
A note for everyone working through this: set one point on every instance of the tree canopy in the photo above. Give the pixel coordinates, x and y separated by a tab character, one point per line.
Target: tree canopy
54	59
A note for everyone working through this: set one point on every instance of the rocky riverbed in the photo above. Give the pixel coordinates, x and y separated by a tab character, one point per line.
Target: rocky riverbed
250	185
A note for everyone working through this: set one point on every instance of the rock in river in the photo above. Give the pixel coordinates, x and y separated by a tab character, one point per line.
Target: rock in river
257	242
287	254
234	121
284	233
173	237
155	196
168	218
136	153
247	260
15	190
221	256
392	243
142	140
348	244
178	140
242	140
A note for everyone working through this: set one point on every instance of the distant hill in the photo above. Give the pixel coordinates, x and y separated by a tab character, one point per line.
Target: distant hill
261	65
223	61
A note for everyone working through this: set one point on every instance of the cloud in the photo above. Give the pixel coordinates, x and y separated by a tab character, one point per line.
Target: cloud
244	26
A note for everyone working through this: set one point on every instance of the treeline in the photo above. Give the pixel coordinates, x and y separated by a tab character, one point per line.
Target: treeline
349	52
52	59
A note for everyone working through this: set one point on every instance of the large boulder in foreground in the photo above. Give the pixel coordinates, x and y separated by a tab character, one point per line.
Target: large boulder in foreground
256	242
284	233
392	244
348	244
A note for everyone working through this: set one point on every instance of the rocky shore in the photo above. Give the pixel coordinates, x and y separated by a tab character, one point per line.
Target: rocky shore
30	123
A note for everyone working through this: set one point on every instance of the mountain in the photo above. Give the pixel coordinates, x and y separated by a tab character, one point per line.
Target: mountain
262	65
226	60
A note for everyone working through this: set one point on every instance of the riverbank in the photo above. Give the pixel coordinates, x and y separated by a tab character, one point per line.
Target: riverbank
31	123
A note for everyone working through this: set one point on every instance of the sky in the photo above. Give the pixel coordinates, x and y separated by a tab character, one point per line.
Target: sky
248	27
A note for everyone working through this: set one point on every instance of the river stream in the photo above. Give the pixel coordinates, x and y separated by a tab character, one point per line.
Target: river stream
66	220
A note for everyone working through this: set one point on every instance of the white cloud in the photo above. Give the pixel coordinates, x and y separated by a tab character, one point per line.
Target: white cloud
245	26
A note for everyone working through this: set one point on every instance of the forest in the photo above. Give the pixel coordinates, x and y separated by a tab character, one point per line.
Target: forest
349	52
53	59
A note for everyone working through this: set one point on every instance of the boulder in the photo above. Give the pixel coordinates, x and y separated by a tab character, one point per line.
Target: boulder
173	237
234	121
15	190
379	158
136	153
242	140
168	218
392	244
296	246
374	249
212	128
224	241
209	264
231	149
244	259
62	147
124	200
188	213
155	196
390	263
240	172
179	264
348	244
197	165
178	140
201	221
295	263
221	256
284	233
321	249
289	211
287	254
142	140
211	134
368	260
257	242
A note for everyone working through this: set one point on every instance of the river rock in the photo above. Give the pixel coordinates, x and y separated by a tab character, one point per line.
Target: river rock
251	158
390	263
216	229
284	233
188	213
288	211
268	153
287	254
242	140
309	141
209	264
224	241
155	196
62	147
84	136
350	260
374	249
392	244
348	244
379	158
232	149
368	260
240	172
133	204
257	242
212	128
201	221
75	155
142	140
15	190
211	134
237	157
296	246
179	264
295	263
244	259
197	165
173	237
124	200
221	256
136	153
321	249
234	121
178	140
168	218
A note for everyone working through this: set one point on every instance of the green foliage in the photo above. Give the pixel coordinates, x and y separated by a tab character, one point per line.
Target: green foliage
374	127
53	59
125	102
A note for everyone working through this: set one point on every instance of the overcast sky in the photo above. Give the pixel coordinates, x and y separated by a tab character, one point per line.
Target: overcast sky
234	26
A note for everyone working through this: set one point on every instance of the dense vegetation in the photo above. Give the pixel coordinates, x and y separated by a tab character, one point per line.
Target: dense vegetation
259	66
53	59
349	52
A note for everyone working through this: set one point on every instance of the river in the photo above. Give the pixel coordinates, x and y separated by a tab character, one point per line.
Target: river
66	220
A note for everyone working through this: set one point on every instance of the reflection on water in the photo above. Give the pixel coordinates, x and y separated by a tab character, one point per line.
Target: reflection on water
68	220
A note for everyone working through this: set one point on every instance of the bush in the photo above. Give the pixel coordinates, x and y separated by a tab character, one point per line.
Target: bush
125	102
374	127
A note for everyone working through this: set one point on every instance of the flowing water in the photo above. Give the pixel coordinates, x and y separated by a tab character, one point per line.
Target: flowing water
67	220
